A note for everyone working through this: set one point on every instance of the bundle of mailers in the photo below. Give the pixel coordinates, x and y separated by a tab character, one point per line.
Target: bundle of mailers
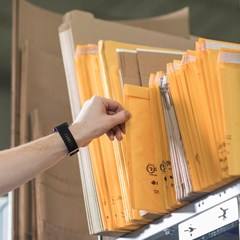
183	135
103	165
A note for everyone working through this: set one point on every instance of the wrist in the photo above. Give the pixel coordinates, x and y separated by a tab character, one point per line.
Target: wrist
79	134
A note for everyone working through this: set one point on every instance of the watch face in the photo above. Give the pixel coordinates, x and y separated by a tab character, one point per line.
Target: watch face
67	138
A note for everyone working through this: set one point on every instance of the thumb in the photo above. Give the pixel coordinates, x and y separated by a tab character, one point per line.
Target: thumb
120	117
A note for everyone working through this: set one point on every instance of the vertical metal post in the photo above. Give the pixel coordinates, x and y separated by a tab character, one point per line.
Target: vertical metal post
99	238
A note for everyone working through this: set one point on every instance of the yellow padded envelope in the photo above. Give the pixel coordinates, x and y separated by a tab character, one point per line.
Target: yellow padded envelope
208	60
209	170
84	77
84	86
211	48
229	73
104	153
144	177
172	78
182	116
160	144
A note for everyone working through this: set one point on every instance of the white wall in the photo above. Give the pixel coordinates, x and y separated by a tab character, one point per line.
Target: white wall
4	218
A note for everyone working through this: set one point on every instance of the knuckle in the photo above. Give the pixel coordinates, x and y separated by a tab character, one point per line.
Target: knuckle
95	98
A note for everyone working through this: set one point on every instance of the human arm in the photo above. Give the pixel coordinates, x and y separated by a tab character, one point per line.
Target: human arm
98	116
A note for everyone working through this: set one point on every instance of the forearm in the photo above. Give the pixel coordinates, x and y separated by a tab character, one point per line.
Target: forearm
98	116
20	164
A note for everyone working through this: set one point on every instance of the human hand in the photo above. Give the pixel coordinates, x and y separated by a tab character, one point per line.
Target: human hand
100	115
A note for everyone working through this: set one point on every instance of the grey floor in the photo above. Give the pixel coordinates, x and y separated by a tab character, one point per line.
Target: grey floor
217	19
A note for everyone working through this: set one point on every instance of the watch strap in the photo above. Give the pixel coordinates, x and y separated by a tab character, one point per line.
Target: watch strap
67	138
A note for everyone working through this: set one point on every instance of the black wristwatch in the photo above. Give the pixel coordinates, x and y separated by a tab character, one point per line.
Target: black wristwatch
67	138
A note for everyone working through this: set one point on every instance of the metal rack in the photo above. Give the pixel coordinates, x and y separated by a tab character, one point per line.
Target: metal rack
171	226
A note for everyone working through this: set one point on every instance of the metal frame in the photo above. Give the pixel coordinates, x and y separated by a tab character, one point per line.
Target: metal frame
168	225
